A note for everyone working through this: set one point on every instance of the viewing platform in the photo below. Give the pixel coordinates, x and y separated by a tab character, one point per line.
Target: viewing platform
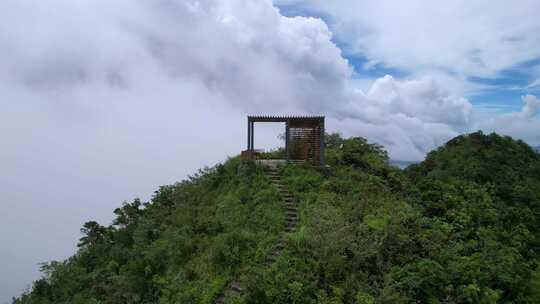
304	139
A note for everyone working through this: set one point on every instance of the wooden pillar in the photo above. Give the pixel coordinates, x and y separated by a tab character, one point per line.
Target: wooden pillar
287	148
252	131
249	134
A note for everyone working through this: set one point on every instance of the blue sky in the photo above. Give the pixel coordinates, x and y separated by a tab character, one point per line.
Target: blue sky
505	90
500	91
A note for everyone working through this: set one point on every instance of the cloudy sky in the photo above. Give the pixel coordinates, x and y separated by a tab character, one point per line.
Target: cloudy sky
103	101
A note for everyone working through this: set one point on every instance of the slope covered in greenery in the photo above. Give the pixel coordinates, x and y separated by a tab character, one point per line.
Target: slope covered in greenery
486	189
461	227
182	247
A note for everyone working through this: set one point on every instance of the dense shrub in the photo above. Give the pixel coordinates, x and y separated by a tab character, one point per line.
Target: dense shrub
460	227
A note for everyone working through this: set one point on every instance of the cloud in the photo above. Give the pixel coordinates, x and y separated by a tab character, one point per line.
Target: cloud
420	98
409	117
531	107
459	38
535	84
103	101
523	124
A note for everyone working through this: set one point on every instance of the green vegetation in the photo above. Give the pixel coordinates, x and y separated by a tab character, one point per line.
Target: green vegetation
460	227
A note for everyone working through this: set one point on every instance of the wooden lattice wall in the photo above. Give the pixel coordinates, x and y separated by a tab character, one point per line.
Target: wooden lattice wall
304	143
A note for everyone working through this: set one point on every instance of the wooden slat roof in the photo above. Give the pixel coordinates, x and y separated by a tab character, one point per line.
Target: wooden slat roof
283	118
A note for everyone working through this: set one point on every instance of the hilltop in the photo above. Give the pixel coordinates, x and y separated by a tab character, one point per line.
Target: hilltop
460	227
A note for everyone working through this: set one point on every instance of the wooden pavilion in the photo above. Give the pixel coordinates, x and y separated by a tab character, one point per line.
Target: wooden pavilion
304	137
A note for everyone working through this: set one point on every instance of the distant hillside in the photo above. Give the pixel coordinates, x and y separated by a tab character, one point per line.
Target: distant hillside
537	149
461	227
401	163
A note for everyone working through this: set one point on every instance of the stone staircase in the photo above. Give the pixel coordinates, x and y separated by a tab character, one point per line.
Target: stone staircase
291	221
232	290
291	213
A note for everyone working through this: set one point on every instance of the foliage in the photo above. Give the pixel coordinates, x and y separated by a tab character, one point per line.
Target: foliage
460	227
182	247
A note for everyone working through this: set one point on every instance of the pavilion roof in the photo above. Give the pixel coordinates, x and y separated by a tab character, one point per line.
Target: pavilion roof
283	118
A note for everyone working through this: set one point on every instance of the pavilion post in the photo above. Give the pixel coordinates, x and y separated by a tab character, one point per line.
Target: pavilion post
287	148
249	134
252	129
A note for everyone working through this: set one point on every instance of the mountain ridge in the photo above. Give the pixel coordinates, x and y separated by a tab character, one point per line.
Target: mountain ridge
460	227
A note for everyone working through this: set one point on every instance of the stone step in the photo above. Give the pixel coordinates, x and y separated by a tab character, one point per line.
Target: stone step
230	291
271	260
280	246
273	256
290	225
290	229
291	222
236	287
275	253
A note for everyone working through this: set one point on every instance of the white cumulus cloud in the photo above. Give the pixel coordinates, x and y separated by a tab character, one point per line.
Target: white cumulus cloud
523	124
460	39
